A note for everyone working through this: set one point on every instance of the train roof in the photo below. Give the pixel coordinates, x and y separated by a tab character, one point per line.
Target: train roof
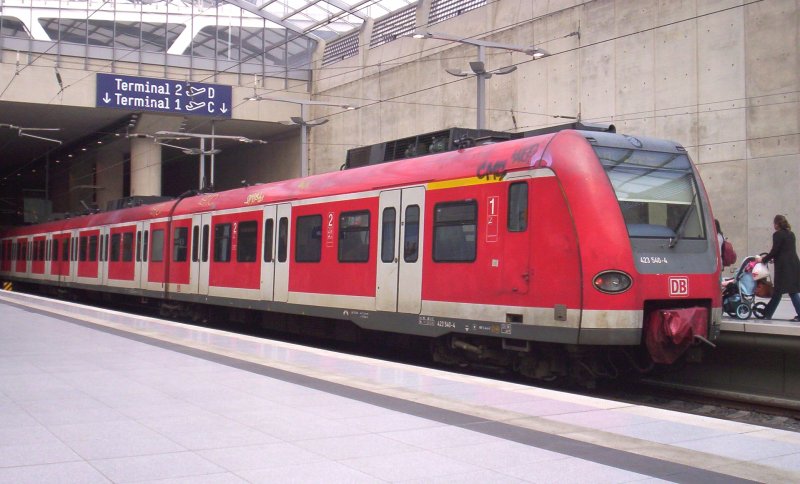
478	161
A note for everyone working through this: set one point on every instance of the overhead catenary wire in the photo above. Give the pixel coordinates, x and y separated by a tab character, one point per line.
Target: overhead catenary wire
622	116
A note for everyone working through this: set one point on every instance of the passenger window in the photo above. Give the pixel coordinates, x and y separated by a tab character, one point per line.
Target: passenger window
246	250
127	247
181	244
454	226
84	249
145	245
518	207
138	246
115	245
283	236
222	243
105	251
411	237
308	239
157	254
354	237
54	250
65	250
195	242
205	243
387	234
269	228
93	248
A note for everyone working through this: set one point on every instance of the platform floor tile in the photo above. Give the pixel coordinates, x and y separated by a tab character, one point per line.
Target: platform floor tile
86	401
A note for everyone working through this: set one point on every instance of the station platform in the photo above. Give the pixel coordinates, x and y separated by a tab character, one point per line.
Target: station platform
779	325
91	395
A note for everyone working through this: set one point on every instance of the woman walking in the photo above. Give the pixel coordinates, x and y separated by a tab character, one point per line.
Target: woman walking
787	267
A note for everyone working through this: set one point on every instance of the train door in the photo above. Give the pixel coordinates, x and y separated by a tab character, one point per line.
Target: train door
268	253
399	274
200	268
73	256
140	256
282	252
102	256
515	264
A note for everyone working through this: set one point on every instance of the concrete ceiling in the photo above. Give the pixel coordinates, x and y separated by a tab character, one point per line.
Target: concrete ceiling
22	158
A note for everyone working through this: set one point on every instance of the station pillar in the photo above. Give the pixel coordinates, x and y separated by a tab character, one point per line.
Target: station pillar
146	155
145	167
110	166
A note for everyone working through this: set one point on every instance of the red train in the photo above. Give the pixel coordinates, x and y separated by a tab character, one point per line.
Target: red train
543	254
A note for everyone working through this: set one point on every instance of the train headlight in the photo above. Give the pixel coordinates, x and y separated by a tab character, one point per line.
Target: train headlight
612	282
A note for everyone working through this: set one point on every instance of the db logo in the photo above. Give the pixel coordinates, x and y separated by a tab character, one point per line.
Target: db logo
678	286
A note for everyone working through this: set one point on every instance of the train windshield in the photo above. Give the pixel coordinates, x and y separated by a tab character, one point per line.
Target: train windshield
657	192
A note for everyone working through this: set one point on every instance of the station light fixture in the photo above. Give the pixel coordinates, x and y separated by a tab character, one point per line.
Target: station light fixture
479	67
302	121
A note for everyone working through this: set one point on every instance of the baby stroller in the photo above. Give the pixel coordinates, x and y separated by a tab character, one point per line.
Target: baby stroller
740	291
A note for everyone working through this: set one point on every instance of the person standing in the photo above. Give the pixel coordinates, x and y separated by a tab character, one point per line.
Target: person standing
787	267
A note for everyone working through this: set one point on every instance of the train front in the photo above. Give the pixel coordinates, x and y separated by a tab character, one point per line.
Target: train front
648	250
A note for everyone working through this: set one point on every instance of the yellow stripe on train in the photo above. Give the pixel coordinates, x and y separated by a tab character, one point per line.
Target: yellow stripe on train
463	182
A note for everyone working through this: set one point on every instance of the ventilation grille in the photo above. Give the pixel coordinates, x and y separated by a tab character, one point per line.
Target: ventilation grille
444	9
393	26
341	49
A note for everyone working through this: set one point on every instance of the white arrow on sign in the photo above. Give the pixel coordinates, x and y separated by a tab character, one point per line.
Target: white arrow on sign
223	109
106	99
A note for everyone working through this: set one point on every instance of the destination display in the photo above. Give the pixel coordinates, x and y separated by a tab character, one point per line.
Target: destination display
163	95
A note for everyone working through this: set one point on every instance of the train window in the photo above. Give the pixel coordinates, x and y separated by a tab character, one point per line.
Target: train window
100	254
518	207
138	246
454	226
127	247
144	245
106	249
84	249
47	250
195	242
354	237
65	249
41	250
222	243
411	237
93	248
308	239
35	252
205	243
283	239
54	250
387	234
157	244
246	250
116	239
180	247
269	228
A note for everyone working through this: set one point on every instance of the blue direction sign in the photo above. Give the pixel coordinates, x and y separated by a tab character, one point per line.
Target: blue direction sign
163	95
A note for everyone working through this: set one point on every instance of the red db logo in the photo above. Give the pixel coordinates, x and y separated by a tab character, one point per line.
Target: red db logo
678	286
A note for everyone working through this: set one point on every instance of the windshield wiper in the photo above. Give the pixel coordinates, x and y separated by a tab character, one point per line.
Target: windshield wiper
673	241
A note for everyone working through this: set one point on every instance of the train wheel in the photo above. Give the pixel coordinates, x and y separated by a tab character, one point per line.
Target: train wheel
759	310
743	311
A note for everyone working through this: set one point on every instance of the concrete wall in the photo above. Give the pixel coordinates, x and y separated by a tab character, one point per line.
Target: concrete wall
721	77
